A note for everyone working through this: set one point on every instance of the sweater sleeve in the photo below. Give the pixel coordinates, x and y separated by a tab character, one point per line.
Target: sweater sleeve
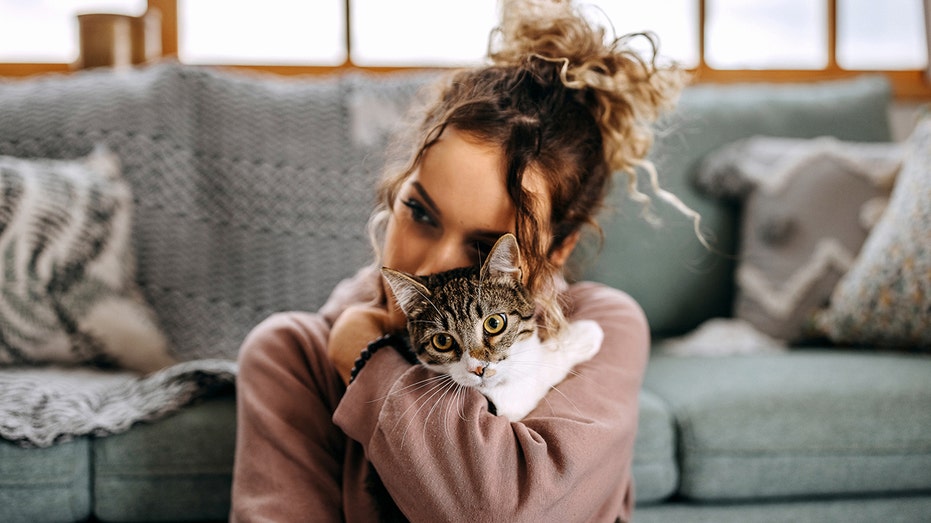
441	454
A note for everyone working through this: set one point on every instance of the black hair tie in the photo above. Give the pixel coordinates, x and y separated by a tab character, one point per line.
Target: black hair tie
399	343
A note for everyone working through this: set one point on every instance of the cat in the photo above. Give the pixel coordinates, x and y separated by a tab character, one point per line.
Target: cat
478	326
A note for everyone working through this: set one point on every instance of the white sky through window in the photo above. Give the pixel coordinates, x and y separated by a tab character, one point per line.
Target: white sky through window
741	34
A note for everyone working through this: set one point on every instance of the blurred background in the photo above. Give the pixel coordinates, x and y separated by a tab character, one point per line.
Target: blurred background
739	34
721	40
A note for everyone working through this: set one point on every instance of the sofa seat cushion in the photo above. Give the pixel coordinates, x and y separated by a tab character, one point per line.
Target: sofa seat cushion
179	469
45	484
654	466
902	509
802	423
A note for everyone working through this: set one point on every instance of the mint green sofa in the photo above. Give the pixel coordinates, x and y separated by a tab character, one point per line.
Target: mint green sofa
815	434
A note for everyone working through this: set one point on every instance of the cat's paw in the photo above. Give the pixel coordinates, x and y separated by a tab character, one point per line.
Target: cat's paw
514	403
513	413
583	340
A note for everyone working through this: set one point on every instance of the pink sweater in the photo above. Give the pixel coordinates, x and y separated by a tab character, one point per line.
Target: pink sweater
306	443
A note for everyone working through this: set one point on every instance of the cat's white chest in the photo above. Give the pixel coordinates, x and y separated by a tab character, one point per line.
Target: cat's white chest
533	368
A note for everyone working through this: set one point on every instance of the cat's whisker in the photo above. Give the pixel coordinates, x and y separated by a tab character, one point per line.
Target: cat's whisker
541	364
449	405
459	401
438	389
555	389
428	300
517	370
461	404
430	392
409	388
450	385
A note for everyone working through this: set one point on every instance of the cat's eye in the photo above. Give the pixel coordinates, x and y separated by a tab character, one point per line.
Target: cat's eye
442	342
495	323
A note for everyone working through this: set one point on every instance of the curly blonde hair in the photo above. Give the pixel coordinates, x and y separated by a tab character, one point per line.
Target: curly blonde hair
564	103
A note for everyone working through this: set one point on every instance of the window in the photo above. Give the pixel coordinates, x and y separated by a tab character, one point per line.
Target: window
266	32
743	40
881	35
675	22
766	34
420	32
47	30
427	32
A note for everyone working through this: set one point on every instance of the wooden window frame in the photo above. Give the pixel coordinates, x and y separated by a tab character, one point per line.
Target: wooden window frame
910	84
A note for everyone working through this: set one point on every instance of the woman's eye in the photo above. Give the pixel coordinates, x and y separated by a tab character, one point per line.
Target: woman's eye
442	342
495	323
418	213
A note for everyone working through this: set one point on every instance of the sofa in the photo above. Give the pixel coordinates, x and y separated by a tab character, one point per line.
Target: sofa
250	195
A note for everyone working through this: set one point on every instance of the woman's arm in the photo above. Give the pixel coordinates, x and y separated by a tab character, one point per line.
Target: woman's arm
289	456
443	456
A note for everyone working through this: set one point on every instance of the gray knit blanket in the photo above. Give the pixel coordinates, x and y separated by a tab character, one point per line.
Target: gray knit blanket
251	193
42	406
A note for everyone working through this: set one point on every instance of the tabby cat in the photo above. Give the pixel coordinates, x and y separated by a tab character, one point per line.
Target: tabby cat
477	325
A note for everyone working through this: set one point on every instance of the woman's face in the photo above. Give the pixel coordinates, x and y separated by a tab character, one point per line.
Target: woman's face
451	210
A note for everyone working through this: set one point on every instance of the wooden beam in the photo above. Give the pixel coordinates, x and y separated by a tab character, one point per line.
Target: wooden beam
832	35
169	13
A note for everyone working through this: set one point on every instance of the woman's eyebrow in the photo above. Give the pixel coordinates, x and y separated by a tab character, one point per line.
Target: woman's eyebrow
426	198
489	237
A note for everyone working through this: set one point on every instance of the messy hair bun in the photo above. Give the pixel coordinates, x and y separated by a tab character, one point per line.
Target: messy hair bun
625	91
565	106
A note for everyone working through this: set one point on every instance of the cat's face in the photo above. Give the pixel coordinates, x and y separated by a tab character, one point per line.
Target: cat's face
466	322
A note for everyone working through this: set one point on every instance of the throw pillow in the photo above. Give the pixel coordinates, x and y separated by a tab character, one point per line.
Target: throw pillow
885	298
67	288
807	206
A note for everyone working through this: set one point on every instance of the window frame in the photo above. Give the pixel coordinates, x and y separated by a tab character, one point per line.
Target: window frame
910	84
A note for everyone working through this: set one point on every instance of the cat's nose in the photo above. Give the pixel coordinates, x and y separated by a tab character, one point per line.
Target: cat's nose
482	371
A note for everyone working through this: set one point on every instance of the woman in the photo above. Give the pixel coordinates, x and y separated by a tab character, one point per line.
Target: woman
526	145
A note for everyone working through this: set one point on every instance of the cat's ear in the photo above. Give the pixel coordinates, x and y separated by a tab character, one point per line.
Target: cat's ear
503	260
408	292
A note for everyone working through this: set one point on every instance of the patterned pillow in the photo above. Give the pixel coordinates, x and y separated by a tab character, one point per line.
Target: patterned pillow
67	289
807	206
885	298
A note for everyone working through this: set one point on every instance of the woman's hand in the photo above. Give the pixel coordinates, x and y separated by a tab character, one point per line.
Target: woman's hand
353	330
360	324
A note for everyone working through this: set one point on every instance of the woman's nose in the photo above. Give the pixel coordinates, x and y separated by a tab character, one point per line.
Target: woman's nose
444	256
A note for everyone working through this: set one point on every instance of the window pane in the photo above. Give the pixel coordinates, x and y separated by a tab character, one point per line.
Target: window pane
428	32
881	35
47	30
675	22
421	32
766	34
268	32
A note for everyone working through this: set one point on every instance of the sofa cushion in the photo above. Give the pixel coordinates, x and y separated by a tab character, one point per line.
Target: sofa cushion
676	280
803	423
901	509
805	214
885	299
654	466
67	268
50	484
179	469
